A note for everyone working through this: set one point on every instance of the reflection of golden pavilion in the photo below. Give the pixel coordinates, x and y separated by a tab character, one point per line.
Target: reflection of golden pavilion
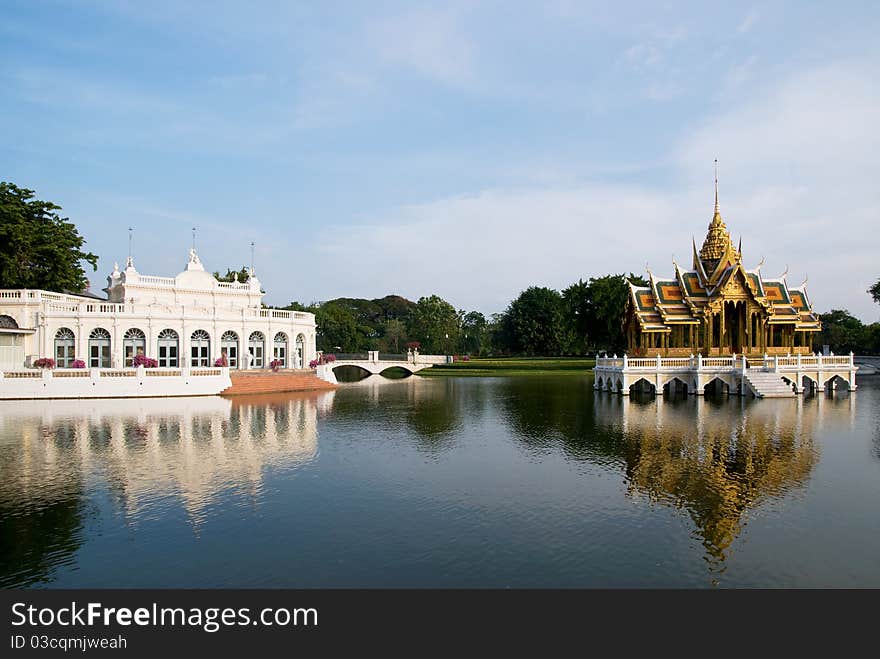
718	462
189	448
719	307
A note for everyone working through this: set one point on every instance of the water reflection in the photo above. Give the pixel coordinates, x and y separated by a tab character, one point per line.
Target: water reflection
719	459
715	458
54	457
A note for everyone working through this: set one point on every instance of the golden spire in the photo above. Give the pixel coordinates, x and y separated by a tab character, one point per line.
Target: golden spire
717	242
717	211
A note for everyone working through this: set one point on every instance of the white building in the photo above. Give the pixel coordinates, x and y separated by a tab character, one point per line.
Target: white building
191	320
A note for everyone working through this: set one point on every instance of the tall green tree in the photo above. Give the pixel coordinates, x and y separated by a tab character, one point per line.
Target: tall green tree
605	312
537	322
337	329
435	324
38	247
875	292
473	333
395	334
576	301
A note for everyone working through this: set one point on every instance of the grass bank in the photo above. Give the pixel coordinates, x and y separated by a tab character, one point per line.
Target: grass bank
513	366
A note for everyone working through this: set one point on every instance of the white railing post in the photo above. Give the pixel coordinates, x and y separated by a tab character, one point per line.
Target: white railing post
745	363
625	361
658	362
799	360
733	360
851	358
776	363
699	360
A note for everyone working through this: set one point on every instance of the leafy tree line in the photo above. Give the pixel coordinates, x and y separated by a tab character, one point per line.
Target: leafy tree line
584	317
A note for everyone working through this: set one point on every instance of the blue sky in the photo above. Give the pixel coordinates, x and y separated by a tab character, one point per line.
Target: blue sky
464	149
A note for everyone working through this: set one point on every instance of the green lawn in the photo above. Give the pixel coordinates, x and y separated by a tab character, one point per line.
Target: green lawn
514	366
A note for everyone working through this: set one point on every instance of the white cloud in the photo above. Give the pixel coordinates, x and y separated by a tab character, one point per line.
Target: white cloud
798	182
430	42
748	21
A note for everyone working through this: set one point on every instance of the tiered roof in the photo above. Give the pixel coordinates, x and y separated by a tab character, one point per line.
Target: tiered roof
678	299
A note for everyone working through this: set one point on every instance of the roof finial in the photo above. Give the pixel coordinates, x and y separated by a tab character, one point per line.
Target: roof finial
252	258
129	262
758	267
717	211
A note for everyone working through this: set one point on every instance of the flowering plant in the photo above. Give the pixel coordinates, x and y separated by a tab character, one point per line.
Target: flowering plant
275	364
221	361
322	359
146	362
77	363
44	362
413	345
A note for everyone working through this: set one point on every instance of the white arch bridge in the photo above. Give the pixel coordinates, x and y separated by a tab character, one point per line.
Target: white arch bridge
374	362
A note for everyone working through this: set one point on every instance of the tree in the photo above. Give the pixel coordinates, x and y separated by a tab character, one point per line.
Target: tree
608	297
39	248
436	324
576	301
337	329
843	333
537	322
473	332
875	292
395	332
233	275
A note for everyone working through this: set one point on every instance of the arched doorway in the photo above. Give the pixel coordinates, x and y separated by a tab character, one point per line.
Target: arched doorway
168	347
279	349
229	348
99	348
300	351
65	348
200	348
134	342
256	348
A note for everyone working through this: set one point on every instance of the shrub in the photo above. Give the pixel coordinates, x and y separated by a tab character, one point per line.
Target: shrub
146	362
77	363
44	362
221	361
275	364
413	345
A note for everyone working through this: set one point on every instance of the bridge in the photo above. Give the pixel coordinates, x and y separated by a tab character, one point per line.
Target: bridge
764	377
374	362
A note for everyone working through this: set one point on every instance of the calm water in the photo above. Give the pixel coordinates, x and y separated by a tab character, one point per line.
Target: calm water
496	482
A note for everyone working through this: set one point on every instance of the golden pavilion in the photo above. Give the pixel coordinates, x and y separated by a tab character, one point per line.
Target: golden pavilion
719	307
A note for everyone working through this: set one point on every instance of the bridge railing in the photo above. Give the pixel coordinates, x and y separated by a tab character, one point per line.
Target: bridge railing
351	356
393	357
771	363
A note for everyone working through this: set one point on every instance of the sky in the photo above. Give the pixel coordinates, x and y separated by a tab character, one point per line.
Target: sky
464	149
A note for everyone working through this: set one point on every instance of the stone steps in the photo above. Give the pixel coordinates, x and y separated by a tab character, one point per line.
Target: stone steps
250	382
768	385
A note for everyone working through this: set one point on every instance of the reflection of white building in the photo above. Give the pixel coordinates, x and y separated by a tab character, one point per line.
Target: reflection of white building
191	320
195	450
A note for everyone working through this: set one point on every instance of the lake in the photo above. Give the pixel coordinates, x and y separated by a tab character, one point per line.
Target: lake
499	482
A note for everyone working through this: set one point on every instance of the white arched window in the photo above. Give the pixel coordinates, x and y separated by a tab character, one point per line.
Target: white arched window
99	348
300	351
134	342
200	349
279	349
229	348
257	348
65	348
168	346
